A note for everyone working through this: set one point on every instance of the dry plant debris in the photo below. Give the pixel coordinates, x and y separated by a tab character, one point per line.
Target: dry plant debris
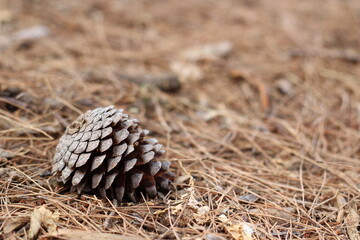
209	52
104	151
260	136
167	82
24	35
86	235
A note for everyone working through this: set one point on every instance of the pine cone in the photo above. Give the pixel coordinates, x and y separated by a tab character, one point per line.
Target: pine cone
104	152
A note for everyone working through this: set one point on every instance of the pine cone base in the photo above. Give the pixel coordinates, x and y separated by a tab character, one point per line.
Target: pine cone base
105	152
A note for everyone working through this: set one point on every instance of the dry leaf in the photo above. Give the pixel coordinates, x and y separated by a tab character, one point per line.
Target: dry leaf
5	16
168	82
182	179
42	217
203	210
6	154
223	218
24	35
11	224
349	215
210	236
353	222
187	71
211	51
240	231
9	173
31	33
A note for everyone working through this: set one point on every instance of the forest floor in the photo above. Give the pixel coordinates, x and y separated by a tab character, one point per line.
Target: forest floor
263	133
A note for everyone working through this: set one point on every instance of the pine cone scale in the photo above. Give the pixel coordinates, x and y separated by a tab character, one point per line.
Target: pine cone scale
96	178
121	135
110	179
85	137
119	150
78	176
98	160
113	162
129	164
82	159
105	144
135	180
92	145
95	135
80	147
106	132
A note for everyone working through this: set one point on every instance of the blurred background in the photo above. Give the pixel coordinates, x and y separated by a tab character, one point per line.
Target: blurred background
247	96
82	50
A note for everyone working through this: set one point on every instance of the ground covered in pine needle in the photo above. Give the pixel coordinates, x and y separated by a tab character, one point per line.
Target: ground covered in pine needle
263	133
